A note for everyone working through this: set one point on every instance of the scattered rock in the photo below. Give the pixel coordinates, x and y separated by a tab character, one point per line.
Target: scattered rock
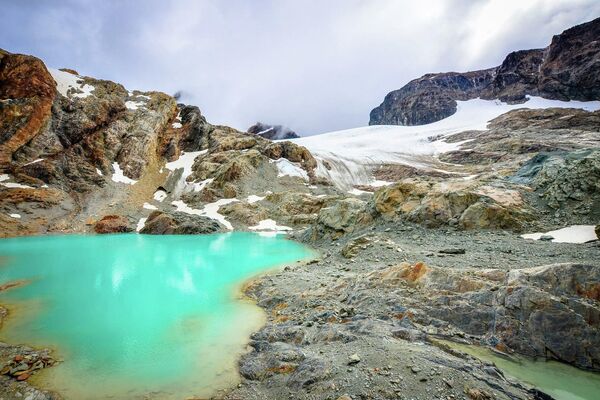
353	359
452	251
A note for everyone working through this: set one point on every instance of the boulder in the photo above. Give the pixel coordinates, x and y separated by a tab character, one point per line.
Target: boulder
113	224
343	216
178	223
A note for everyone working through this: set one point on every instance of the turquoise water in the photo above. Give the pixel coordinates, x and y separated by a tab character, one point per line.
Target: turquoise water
559	380
135	314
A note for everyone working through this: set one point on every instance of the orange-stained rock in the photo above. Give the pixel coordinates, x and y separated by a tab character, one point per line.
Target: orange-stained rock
113	224
24	376
23	78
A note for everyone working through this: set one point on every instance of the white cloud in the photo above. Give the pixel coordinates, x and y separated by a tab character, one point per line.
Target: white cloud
312	65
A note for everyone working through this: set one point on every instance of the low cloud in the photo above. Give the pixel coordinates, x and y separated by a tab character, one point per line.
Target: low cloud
312	65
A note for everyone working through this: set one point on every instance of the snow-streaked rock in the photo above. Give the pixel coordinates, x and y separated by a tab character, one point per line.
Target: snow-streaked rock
65	81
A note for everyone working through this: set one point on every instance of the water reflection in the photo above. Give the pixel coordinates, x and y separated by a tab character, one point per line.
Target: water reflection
136	312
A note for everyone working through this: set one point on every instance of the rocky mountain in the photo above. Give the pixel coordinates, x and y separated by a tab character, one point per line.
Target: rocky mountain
568	69
75	149
417	227
272	132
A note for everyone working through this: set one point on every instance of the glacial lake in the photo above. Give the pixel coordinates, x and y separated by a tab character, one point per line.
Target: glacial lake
137	316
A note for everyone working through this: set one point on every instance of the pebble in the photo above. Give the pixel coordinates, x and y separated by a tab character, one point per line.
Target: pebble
353	359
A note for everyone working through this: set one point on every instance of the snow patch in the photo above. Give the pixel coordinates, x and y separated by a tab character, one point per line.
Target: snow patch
269	225
378	183
119	177
210	210
17	216
149	206
351	153
160	195
140	225
199	186
66	81
185	162
254	198
288	168
570	234
134	105
176	125
12	185
358	192
99	172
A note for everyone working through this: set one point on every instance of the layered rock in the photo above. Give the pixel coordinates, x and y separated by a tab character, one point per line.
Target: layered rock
568	69
550	311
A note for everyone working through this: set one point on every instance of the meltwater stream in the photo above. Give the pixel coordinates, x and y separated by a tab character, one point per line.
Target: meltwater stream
133	315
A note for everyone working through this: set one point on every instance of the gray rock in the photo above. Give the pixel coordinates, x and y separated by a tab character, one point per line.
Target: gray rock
178	223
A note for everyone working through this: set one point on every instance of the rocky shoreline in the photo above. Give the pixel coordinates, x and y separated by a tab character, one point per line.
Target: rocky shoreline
360	327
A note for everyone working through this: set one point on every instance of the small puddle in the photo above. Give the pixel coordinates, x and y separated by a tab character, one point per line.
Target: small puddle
561	381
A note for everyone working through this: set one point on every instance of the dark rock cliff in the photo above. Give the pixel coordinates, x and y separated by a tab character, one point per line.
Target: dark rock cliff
568	69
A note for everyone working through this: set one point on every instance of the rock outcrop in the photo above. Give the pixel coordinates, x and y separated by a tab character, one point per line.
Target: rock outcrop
178	223
568	69
550	311
463	204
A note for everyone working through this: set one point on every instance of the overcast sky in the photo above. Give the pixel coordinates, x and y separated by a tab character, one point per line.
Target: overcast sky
314	66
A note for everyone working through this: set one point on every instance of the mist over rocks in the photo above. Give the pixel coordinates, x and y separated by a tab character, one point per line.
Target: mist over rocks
568	69
272	132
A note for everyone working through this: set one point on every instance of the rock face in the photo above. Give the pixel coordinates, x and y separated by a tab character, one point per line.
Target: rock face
568	69
177	223
568	183
272	132
550	311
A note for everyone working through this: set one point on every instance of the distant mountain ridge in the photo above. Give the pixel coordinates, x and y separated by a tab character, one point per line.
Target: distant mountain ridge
568	69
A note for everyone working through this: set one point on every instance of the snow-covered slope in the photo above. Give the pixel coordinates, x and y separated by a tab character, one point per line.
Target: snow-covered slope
350	153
